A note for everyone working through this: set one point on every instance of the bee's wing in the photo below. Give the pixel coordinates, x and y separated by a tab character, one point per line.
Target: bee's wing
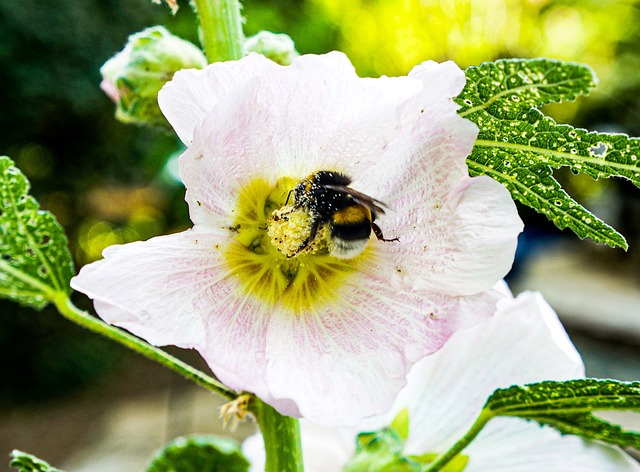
375	206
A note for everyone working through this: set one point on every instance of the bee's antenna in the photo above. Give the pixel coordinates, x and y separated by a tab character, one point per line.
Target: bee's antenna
288	196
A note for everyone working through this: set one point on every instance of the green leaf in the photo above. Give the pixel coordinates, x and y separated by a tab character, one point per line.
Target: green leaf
27	463
518	146
199	454
381	451
535	186
590	426
507	84
35	263
568	407
400	424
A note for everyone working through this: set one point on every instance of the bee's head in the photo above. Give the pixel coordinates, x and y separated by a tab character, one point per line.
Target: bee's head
300	190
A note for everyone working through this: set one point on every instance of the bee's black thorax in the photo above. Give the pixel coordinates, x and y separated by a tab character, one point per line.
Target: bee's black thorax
321	201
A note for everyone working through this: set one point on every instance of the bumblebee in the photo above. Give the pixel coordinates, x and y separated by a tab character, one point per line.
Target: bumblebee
350	215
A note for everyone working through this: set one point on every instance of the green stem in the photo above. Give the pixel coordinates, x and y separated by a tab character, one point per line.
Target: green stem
445	458
220	29
281	436
84	319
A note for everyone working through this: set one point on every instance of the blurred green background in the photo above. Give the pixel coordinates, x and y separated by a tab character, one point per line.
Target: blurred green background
111	183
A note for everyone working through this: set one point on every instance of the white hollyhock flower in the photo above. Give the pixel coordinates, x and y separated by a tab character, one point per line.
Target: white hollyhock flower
523	343
328	338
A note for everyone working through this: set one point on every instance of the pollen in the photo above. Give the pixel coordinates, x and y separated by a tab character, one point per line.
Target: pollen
289	229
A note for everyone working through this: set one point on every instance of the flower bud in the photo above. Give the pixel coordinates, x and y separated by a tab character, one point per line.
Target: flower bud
133	77
277	47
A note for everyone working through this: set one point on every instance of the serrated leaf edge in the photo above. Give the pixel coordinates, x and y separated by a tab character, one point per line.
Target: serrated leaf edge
17	455
515	90
499	95
609	400
605	238
55	276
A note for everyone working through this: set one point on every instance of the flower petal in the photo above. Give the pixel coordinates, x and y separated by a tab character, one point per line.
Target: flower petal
491	355
187	98
460	245
523	343
150	288
358	349
433	143
515	445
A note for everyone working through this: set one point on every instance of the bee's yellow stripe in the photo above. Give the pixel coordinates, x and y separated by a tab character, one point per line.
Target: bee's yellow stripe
351	215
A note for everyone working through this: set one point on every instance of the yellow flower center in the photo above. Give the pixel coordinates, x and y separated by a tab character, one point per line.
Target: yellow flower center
268	263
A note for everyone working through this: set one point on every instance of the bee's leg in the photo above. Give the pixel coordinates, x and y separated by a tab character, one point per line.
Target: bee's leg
315	226
378	232
289	211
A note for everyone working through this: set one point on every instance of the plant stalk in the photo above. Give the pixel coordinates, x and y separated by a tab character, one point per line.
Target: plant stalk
84	319
281	436
443	459
220	29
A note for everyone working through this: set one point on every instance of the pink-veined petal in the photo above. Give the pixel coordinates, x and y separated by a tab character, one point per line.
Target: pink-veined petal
445	79
151	288
358	349
524	343
459	246
177	290
429	155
